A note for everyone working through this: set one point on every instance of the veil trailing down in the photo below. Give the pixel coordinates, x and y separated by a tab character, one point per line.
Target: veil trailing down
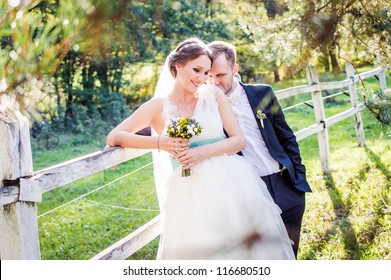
162	167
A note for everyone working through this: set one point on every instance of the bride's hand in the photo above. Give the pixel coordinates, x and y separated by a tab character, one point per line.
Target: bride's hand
190	157
173	145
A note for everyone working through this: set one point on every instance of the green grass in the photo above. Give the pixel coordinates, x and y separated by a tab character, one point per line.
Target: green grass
88	225
347	214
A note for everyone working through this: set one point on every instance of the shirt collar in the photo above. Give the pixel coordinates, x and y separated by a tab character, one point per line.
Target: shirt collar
234	97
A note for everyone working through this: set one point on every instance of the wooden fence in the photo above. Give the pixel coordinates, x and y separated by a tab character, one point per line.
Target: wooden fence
21	188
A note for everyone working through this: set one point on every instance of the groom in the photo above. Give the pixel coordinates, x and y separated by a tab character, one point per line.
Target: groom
271	146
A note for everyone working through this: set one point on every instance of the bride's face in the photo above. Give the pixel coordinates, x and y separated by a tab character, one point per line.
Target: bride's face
194	73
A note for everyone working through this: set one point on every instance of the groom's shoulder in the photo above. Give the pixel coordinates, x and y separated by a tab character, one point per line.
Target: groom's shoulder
258	87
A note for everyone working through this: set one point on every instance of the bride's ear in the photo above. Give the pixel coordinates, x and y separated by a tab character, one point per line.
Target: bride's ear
178	67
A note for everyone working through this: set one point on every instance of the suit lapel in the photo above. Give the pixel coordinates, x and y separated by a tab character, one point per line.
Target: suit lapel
255	102
253	99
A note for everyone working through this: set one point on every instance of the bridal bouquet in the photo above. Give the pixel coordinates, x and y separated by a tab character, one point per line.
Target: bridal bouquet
184	127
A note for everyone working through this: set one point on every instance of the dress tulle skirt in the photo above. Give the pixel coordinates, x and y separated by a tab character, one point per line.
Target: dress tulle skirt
222	211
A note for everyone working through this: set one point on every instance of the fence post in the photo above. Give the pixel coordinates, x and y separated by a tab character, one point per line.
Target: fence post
382	75
19	237
354	102
320	116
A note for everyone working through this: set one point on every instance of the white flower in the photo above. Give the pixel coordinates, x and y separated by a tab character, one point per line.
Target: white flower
3	85
190	130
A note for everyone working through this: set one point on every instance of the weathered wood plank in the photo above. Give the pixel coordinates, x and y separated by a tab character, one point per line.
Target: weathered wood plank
349	68
18	221
293	91
19	232
130	244
367	74
8	195
315	128
308	131
343	115
320	116
15	148
78	168
285	93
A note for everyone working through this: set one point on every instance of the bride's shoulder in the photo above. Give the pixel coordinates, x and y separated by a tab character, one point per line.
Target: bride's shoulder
153	105
156	101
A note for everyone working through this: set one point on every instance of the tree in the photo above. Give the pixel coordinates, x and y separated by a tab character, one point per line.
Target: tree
321	32
79	53
35	37
379	105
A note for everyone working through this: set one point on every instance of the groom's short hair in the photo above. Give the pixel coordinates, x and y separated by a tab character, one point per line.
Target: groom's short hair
221	47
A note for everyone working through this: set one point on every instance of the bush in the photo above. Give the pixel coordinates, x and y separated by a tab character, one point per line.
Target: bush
91	116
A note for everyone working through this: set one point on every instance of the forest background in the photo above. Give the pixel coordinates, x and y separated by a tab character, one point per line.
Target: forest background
82	66
77	68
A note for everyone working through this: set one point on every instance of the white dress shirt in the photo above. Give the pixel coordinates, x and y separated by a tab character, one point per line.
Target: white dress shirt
256	151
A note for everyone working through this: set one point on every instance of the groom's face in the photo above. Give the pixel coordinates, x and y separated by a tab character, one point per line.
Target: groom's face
222	74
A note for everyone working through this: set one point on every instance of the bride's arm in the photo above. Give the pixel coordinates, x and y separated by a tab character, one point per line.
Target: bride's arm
231	145
148	114
124	134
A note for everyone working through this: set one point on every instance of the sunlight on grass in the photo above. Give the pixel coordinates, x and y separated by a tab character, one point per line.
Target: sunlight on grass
348	213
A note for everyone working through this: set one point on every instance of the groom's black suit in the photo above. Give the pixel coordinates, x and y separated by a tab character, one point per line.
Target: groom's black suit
287	188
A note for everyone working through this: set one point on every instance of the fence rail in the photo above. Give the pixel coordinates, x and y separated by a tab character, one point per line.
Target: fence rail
21	188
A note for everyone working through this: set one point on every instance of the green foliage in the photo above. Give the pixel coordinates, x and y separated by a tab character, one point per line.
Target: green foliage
78	53
89	47
187	18
34	42
320	32
89	115
379	104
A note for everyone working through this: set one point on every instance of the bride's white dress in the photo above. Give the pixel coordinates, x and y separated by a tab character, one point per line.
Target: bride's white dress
223	210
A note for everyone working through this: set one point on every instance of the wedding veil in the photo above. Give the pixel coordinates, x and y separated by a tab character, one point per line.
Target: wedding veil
162	167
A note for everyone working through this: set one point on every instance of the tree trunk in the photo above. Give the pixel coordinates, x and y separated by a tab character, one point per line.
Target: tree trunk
276	75
101	71
67	79
324	59
334	57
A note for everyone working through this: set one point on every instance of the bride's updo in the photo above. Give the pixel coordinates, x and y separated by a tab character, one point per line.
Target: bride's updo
187	50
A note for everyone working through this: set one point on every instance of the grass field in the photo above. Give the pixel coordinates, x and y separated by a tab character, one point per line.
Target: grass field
347	215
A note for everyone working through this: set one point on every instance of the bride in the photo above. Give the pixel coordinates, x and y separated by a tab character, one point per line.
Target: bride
223	210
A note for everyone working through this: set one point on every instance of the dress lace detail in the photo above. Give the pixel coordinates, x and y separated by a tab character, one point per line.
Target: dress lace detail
169	110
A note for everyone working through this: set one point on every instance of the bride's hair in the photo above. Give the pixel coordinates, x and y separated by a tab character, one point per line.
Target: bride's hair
187	50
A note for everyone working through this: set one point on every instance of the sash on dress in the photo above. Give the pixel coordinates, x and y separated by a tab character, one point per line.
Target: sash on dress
175	162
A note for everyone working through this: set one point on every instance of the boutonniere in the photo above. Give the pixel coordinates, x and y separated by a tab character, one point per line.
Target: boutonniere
261	116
